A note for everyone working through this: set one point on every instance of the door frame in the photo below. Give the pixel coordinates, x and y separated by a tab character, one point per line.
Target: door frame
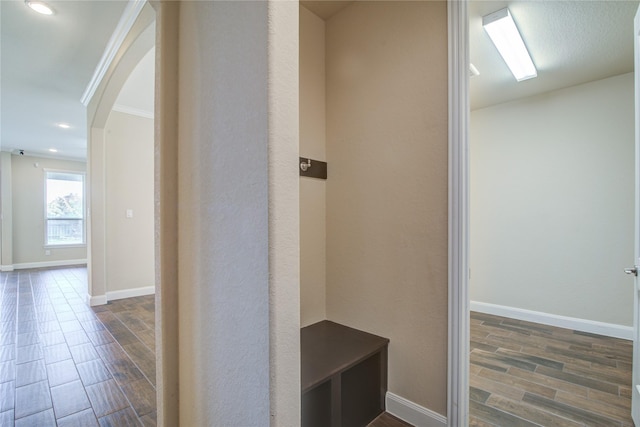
635	396
458	87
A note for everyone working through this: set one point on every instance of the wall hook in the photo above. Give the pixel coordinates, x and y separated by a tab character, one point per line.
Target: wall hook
318	170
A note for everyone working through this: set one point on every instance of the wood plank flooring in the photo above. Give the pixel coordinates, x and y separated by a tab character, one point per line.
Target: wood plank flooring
65	364
388	420
527	374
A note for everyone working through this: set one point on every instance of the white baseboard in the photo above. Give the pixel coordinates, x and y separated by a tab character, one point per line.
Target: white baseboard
413	413
582	325
97	300
45	264
130	293
6	267
125	293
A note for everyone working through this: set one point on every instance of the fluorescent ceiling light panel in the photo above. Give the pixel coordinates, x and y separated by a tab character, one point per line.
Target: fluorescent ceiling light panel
505	36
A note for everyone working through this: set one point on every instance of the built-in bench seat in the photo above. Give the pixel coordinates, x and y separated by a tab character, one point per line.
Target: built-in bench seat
344	375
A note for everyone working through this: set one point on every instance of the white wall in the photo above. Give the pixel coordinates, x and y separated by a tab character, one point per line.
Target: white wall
552	187
129	186
28	200
387	187
312	190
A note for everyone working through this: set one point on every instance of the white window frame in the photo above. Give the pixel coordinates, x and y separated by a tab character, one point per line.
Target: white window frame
84	210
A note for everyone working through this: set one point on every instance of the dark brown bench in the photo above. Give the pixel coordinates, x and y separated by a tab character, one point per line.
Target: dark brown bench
344	375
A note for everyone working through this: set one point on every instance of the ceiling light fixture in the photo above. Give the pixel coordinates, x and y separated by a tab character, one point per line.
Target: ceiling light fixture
39	7
53	150
505	36
64	125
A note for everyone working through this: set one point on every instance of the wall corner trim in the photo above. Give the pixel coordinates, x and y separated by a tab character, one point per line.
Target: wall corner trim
96	300
413	413
130	293
6	267
128	18
458	337
574	323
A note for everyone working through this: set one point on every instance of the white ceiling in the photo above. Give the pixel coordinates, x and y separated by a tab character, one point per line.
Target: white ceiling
48	61
46	64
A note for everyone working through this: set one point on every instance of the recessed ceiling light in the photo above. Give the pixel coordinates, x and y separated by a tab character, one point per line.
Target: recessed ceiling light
473	71
39	7
64	125
53	150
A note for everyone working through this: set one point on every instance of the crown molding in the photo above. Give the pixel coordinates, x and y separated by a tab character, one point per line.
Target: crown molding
133	111
129	15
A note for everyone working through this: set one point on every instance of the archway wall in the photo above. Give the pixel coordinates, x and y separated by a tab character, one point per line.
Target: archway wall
138	41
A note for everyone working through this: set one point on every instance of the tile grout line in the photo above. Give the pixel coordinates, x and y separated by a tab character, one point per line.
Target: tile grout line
68	347
136	335
556	335
38	295
111	372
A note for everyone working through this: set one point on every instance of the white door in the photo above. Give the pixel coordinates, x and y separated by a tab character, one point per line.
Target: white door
635	400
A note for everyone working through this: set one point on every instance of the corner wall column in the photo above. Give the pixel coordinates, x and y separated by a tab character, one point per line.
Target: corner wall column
227	212
6	249
96	235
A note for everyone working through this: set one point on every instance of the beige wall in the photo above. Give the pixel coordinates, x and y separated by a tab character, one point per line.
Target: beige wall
28	187
129	186
552	184
135	45
387	190
312	191
6	259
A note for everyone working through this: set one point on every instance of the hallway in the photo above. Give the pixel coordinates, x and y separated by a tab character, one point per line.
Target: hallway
63	363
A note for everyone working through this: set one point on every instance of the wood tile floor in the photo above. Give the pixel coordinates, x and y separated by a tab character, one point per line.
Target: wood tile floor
65	364
388	420
527	374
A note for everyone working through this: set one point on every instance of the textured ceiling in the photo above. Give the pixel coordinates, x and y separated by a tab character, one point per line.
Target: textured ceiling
571	42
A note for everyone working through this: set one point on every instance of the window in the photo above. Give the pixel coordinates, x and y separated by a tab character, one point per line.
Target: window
64	208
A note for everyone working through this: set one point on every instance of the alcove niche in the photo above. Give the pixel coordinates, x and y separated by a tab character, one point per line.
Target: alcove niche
373	235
